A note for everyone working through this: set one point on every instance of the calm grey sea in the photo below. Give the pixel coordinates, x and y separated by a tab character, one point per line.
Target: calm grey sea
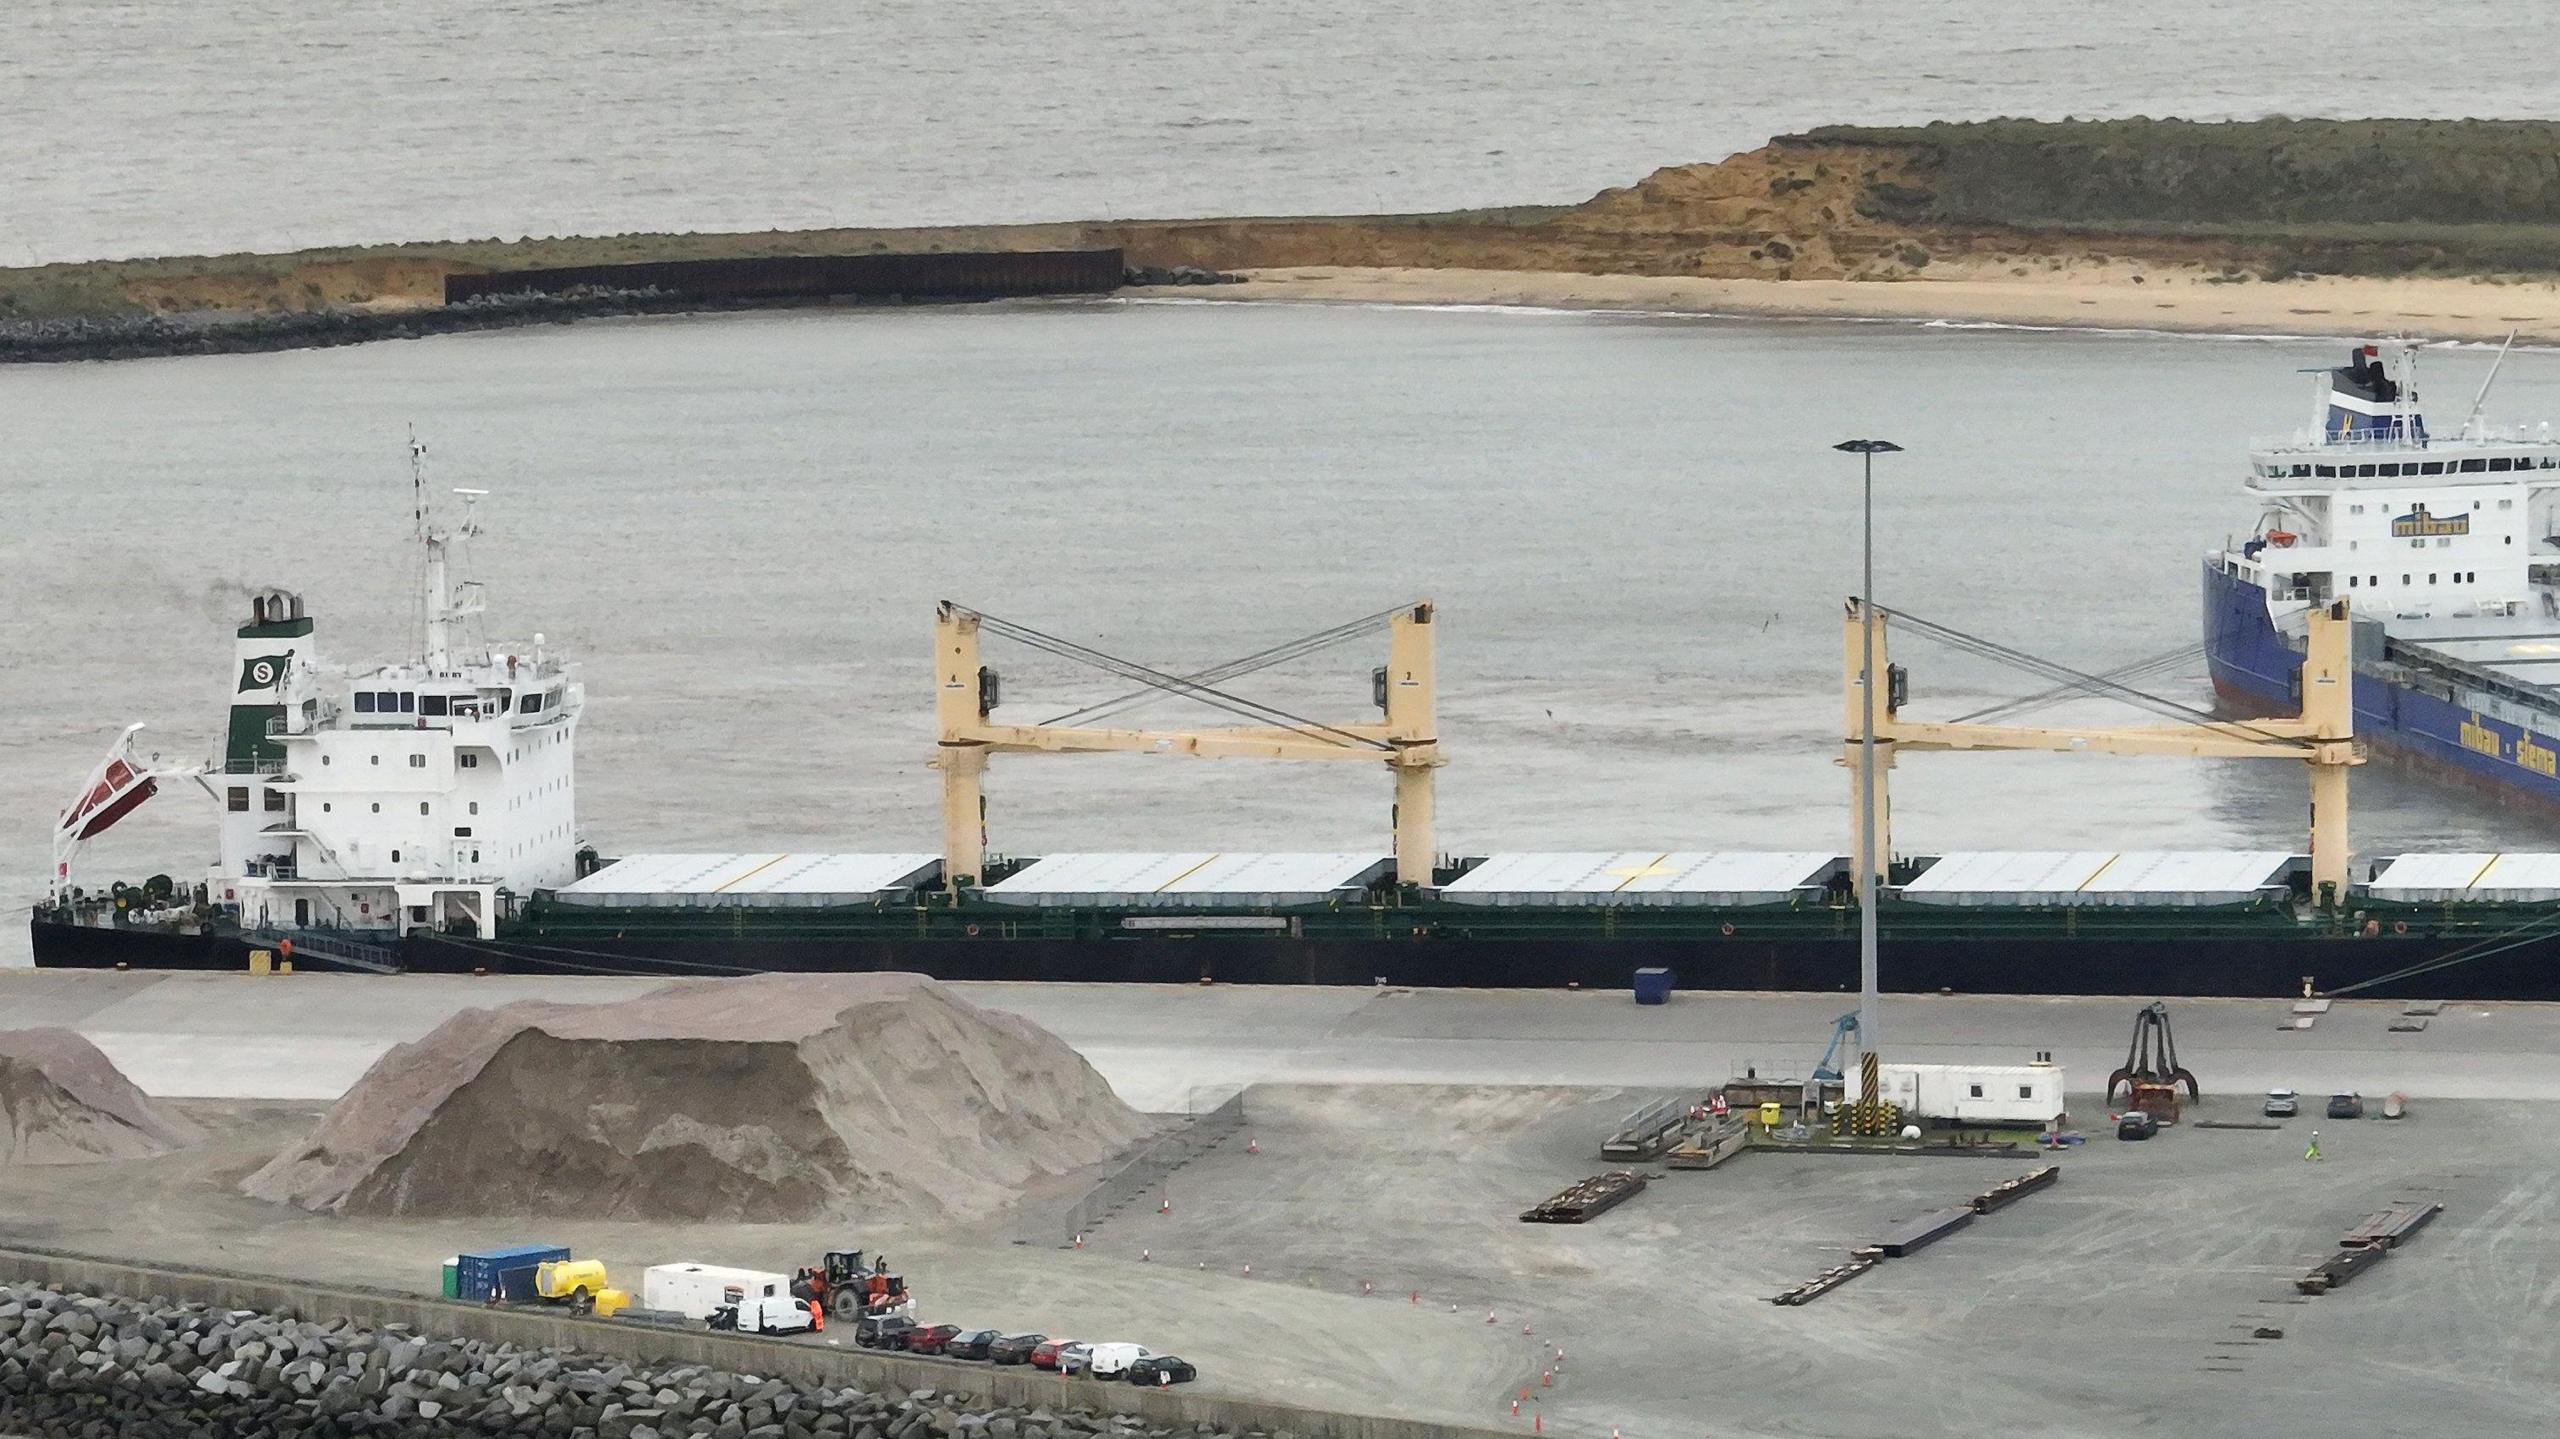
133	127
1635	527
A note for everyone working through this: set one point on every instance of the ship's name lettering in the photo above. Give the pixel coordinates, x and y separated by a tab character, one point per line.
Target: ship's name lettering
2536	758
2480	738
2419	523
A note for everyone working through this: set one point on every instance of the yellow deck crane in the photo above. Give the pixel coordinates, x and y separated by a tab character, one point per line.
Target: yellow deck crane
2322	736
1406	742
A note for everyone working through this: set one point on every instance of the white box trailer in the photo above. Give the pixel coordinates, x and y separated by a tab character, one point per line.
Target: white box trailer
1971	1093
694	1290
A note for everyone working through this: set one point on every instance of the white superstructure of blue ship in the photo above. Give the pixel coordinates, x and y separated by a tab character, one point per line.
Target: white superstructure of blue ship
2444	548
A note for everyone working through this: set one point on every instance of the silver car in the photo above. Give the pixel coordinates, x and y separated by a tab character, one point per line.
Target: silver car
1075	1358
2283	1104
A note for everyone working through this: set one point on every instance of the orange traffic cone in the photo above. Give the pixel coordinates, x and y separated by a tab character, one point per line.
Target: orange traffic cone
1515	1408
1167	1206
1248	1271
1488	1317
1252	1145
1365	1287
1079	1241
1524	1326
1145	1254
1547	1379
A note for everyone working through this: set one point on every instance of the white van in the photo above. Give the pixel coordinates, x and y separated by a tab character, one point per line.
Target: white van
1112	1361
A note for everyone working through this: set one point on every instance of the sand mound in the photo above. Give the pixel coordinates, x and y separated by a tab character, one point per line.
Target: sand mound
63	1102
776	1098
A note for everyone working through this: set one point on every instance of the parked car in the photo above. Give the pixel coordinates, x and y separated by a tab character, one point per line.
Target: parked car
1073	1356
1162	1369
1112	1361
2135	1124
2346	1106
1044	1355
1015	1348
930	1338
971	1343
882	1331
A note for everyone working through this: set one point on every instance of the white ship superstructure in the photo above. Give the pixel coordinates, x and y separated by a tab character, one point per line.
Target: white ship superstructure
421	794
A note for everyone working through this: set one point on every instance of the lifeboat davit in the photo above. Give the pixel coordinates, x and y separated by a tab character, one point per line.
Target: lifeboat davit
120	791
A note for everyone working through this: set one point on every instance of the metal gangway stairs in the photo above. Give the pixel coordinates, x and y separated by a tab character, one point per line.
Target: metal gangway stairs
330	947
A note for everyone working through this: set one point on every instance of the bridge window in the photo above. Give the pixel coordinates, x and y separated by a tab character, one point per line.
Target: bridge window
275	801
364	702
239	799
434	704
386	701
408	702
2502	462
2328	472
2473	467
530	704
2432	467
2364	472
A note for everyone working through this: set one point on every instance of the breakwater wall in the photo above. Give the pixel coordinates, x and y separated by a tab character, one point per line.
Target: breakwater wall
986	275
139	1350
135	337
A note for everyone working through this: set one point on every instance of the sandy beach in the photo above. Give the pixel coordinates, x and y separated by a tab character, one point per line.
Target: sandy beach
2073	294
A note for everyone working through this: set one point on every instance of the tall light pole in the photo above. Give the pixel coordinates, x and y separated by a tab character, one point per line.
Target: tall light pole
1869	861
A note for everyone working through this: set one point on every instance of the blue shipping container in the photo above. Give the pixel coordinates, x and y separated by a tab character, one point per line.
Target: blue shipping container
509	1271
1653	986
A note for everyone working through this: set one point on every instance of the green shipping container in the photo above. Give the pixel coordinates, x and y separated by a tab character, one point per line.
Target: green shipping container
452	1280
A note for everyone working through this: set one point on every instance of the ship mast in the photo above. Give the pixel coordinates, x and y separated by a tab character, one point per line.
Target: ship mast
440	603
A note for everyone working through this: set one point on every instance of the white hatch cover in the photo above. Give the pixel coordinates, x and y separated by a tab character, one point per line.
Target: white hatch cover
2517	878
2131	877
1191	878
1643	877
761	881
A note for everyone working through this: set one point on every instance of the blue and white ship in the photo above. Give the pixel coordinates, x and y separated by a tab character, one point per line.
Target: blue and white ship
2447	552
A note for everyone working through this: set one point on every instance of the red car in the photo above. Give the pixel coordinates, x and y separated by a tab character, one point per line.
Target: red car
931	1338
1045	1354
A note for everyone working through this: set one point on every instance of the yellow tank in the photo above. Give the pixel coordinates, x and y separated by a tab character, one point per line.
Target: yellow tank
578	1283
610	1302
1772	1114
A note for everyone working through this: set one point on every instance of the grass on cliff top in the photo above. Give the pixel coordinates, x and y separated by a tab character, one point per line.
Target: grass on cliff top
2276	172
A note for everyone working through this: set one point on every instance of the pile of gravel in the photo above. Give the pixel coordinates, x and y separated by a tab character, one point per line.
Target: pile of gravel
64	1102
74	1366
759	1100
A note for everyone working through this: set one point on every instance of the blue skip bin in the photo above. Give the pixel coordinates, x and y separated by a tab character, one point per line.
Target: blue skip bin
1653	986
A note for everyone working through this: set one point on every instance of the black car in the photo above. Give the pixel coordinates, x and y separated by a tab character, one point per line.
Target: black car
2135	1124
1162	1369
882	1331
2346	1106
970	1343
1015	1348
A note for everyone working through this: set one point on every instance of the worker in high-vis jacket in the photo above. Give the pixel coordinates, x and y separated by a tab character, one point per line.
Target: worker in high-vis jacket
2314	1151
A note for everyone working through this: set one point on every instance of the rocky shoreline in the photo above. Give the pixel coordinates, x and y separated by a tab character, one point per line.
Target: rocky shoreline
75	1366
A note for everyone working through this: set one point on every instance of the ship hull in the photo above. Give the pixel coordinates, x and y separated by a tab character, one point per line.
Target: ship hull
2255	672
2273	966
